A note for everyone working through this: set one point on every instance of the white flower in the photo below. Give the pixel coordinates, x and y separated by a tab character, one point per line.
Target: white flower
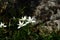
21	24
24	18
2	25
31	20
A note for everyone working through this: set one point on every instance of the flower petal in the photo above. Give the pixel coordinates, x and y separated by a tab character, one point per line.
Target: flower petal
4	26
33	21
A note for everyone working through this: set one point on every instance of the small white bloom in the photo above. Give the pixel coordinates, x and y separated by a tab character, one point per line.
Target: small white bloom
31	20
2	25
19	27
21	24
24	18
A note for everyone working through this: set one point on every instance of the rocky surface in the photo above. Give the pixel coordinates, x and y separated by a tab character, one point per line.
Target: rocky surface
48	11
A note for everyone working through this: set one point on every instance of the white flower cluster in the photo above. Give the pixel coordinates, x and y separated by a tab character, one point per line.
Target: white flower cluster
22	21
2	25
28	20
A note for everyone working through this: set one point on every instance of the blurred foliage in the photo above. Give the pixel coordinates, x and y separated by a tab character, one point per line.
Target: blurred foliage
16	8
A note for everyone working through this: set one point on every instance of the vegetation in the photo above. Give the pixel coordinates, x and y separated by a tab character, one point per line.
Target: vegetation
12	28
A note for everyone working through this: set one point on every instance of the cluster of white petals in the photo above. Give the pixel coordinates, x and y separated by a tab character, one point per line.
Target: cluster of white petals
22	22
2	25
29	20
23	18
